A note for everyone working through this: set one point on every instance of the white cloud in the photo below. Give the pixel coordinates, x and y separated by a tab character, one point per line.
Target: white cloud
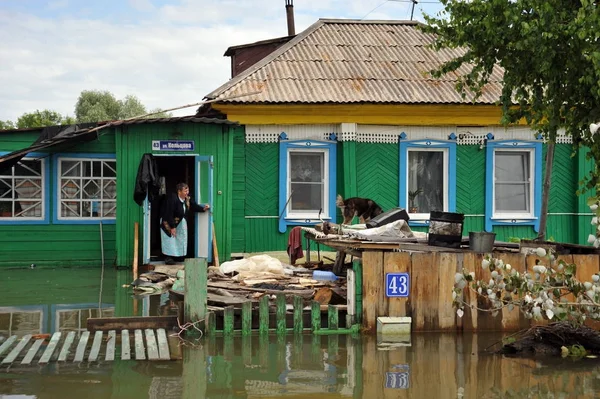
167	56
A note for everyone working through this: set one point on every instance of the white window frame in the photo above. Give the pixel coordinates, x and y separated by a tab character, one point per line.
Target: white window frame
310	214
531	181
43	200
58	188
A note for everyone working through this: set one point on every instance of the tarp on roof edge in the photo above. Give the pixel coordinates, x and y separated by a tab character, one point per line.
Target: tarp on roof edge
50	136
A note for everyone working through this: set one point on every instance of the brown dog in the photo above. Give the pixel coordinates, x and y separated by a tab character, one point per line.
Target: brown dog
364	208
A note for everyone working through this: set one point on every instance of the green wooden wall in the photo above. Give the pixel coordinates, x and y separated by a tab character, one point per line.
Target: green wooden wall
371	170
132	141
55	244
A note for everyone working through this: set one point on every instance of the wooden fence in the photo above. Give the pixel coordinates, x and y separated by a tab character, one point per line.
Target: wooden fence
431	281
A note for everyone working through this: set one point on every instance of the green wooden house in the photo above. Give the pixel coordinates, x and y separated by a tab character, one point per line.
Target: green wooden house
349	107
67	195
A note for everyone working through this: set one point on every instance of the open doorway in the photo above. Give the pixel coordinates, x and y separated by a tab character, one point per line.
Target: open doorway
175	169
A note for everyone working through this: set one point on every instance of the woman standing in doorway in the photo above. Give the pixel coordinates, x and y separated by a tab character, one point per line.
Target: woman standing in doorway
174	235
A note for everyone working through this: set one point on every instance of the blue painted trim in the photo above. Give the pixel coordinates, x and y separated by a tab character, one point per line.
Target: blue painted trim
45	219
284	147
55	192
405	146
489	184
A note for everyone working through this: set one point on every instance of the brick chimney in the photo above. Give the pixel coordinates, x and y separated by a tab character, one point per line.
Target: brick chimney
289	11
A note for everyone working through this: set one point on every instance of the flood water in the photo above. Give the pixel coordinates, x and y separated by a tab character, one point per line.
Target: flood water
427	365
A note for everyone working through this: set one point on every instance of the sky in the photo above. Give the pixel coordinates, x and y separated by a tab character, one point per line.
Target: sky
168	53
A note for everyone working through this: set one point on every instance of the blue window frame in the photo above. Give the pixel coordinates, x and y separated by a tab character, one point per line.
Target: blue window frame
85	188
513	183
307	181
427	178
24	189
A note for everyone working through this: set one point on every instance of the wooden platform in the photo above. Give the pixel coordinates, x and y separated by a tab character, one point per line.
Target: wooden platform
99	346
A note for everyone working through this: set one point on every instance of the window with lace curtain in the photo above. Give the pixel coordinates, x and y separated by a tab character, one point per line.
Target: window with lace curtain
427	178
87	188
513	183
307	178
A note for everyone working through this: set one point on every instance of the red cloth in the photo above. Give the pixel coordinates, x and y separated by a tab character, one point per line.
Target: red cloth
294	248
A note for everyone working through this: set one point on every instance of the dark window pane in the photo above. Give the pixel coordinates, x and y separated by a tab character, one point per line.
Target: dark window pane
426	172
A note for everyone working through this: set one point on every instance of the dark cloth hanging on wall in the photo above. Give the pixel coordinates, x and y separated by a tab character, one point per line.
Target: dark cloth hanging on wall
146	181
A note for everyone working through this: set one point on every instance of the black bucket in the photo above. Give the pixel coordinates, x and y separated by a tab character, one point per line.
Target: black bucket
445	229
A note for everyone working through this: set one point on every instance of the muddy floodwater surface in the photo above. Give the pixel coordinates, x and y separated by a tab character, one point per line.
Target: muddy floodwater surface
426	365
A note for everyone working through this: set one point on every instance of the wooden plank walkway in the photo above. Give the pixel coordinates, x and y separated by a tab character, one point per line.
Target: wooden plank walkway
148	344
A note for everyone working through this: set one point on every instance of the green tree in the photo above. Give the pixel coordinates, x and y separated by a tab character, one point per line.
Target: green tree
43	118
5	125
97	106
550	55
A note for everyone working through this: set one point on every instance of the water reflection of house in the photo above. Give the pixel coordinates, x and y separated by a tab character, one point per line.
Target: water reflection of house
38	319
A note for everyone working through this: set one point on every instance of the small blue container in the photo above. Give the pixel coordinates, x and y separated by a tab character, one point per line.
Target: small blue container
321	275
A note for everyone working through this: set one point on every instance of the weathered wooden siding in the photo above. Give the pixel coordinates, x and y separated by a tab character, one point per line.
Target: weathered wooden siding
133	141
431	281
56	244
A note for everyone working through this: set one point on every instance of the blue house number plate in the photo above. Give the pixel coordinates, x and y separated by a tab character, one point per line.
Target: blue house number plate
397	285
397	380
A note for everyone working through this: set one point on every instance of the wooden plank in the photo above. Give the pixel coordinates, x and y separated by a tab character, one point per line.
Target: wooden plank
138	341
246	318
397	262
110	346
332	317
471	262
131	323
315	316
280	313
228	320
514	320
95	347
298	320
4	347
424	291
32	351
16	350
372	288
163	344
447	265
83	339
151	344
64	351
587	266
50	348
125	345
263	314
194	306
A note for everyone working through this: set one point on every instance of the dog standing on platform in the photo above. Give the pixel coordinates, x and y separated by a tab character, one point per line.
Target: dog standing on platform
364	208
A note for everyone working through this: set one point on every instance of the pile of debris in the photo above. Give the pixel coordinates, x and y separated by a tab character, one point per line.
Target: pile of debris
239	281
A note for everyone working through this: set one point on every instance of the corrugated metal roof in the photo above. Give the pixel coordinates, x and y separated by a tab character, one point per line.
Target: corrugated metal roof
354	61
